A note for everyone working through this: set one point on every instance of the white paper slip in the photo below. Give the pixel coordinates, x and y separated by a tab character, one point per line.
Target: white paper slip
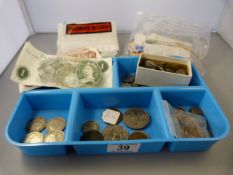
110	116
123	148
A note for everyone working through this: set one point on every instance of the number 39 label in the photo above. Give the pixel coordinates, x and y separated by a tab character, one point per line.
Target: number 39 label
124	148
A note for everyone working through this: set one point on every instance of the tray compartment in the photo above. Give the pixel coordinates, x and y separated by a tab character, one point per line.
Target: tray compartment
48	104
216	121
91	104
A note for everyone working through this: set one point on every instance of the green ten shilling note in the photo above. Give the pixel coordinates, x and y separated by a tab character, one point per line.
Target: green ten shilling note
34	67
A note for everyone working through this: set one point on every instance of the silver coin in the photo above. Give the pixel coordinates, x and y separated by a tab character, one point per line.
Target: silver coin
33	137
57	123
54	136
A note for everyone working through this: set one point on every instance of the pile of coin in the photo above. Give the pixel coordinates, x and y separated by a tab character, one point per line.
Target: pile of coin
133	118
128	81
165	66
192	126
54	130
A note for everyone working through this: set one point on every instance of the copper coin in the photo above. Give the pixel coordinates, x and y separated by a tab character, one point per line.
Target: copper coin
57	123
92	136
136	118
138	135
196	110
37	124
90	126
115	132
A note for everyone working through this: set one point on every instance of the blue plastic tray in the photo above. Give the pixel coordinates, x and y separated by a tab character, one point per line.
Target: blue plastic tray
81	105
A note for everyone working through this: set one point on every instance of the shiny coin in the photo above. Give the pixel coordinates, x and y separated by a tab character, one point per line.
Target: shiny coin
115	132
37	124
138	135
57	123
54	136
90	126
92	136
128	79
196	110
33	137
136	118
125	85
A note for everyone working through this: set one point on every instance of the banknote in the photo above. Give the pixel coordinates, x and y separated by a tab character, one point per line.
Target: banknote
34	67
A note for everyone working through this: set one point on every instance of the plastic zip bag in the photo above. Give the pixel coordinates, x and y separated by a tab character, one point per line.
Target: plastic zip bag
184	124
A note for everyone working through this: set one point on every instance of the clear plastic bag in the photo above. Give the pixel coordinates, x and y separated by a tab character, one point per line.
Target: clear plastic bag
184	124
70	43
169	36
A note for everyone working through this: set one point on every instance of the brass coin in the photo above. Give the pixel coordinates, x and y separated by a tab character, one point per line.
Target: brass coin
136	118
128	79
33	137
54	136
196	110
138	135
115	132
57	123
90	126
37	124
92	136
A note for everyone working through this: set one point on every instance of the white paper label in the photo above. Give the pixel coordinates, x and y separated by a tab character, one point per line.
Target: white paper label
124	148
110	116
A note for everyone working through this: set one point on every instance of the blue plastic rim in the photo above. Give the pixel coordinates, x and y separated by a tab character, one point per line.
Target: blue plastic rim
80	105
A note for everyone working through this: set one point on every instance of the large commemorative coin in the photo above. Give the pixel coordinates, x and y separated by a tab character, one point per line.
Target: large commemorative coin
136	118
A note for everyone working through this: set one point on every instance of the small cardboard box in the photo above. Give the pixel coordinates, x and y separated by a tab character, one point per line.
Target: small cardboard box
152	77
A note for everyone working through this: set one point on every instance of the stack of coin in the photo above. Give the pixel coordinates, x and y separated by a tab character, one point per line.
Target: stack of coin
165	66
54	129
91	132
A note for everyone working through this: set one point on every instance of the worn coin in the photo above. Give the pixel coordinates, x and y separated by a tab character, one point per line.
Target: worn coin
54	136
138	135
128	79
33	137
196	110
115	132
92	136
37	124
57	123
136	118
90	126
